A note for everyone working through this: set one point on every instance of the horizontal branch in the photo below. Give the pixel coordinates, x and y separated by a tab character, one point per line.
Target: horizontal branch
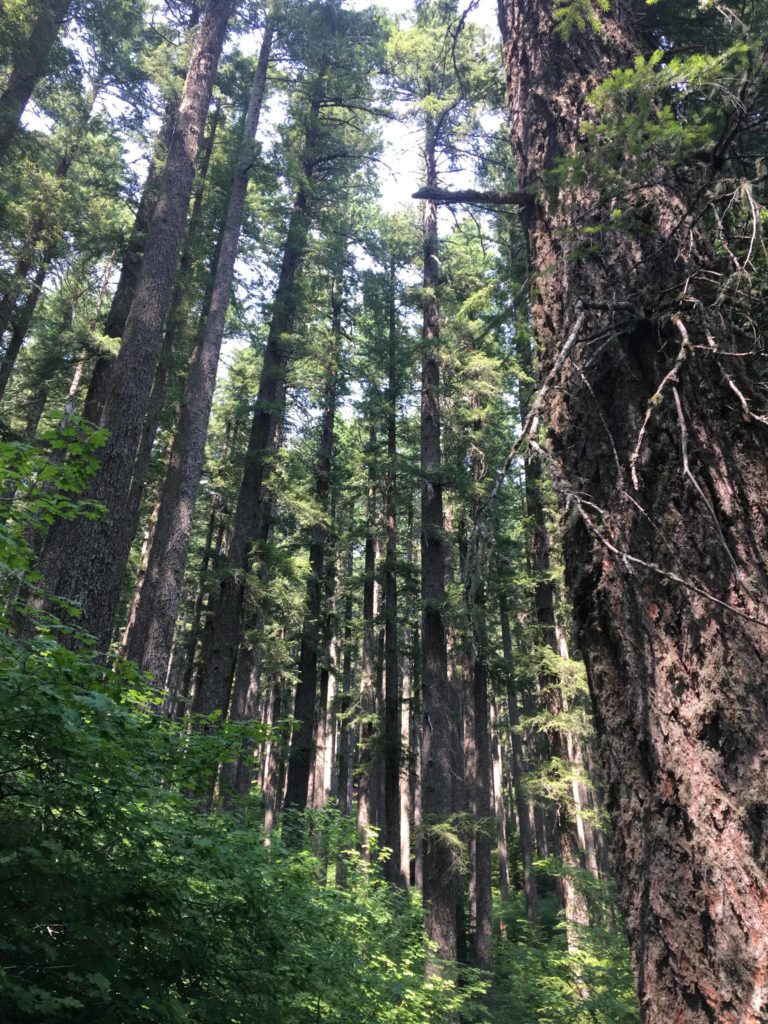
473	197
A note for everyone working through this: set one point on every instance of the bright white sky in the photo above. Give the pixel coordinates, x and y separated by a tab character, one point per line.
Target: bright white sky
400	169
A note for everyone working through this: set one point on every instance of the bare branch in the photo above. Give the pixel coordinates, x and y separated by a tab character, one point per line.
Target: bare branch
473	197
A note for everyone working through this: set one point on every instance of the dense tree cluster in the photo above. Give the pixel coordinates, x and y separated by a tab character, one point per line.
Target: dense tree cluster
384	592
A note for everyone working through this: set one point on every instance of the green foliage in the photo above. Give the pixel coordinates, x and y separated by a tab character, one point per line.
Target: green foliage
539	980
579	15
121	900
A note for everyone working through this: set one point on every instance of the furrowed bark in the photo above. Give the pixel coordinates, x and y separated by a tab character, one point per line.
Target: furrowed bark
120	306
658	452
84	561
133	253
152	632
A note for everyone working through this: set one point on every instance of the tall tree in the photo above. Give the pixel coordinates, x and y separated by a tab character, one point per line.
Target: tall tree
80	562
332	149
656	443
300	760
151	634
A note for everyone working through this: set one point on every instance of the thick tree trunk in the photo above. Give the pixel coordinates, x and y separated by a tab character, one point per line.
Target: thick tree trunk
84	561
133	253
300	760
174	337
659	456
441	710
152	632
31	64
120	305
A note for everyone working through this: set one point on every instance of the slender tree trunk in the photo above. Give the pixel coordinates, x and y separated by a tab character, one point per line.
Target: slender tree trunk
273	784
31	64
498	803
40	234
391	721
152	633
667	561
220	648
173	698
441	711
300	760
344	773
84	561
21	319
518	771
368	732
417	738
405	763
481	803
573	902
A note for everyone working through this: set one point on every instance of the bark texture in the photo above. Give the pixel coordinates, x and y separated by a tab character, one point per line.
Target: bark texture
85	561
152	632
659	457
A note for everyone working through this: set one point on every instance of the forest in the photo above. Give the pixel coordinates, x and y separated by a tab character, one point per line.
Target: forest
384	532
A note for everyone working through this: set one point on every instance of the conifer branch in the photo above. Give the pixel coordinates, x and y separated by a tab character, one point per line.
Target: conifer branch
473	197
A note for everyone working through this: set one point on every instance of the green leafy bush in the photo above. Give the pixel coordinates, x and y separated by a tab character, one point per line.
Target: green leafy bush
121	901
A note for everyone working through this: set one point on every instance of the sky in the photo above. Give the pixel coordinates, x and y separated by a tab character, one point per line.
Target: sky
400	166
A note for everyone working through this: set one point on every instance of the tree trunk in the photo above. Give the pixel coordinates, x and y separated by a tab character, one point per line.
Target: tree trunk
120	305
567	846
441	711
21	319
498	804
659	455
300	760
344	772
390	835
221	639
31	64
133	254
368	731
518	771
152	633
84	561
